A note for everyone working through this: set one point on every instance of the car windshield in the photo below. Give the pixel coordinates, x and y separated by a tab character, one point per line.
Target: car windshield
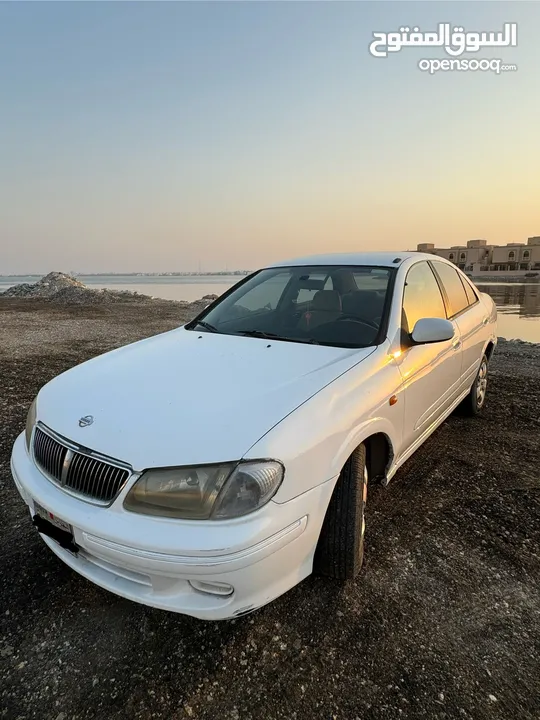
342	306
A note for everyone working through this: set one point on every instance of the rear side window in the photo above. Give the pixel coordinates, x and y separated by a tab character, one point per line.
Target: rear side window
472	297
422	297
455	292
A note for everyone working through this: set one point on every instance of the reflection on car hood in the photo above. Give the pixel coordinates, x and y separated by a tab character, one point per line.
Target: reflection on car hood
187	397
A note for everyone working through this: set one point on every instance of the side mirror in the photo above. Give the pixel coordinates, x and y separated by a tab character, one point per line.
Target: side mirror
432	330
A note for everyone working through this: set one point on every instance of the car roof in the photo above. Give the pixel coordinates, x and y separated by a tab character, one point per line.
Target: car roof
381	259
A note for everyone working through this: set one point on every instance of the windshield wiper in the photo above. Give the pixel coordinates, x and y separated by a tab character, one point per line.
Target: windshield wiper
258	333
207	326
275	336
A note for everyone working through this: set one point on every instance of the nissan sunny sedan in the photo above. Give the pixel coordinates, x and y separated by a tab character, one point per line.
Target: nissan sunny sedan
209	469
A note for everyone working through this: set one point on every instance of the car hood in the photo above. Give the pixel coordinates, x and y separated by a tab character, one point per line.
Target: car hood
186	397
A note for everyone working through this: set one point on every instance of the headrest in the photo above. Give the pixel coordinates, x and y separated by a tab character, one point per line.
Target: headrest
328	300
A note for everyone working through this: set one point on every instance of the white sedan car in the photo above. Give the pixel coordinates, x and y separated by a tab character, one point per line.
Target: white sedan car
209	469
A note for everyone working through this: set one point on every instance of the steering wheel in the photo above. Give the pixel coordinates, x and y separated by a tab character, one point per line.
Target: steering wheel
356	318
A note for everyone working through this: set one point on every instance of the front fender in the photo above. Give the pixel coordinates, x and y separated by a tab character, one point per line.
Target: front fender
315	441
366	429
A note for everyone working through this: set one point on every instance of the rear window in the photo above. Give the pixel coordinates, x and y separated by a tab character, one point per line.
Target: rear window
455	292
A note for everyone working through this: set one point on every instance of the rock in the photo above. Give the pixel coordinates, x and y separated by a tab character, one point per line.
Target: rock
66	289
48	286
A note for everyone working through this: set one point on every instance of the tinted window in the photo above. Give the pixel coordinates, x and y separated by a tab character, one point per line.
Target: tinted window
266	305
320	282
371	279
422	297
264	296
471	294
457	297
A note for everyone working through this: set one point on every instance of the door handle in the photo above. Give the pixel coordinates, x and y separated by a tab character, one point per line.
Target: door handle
456	344
485	321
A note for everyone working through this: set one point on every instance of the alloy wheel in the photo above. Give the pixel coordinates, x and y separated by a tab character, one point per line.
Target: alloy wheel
481	383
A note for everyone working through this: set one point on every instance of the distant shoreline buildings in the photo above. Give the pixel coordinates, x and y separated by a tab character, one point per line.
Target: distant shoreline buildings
478	258
177	274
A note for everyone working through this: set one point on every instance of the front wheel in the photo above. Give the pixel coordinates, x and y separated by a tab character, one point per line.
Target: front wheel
475	400
340	550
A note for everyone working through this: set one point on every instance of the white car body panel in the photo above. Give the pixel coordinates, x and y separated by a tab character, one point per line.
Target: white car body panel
184	398
473	336
196	386
309	450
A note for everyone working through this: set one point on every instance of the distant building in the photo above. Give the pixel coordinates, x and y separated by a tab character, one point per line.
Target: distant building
478	257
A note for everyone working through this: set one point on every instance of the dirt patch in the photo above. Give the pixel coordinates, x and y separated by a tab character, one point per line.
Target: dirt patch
444	621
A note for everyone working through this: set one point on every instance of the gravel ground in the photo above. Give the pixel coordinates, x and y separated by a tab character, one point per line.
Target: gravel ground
444	621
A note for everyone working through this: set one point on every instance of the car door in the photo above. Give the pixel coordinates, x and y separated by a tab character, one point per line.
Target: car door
431	372
469	314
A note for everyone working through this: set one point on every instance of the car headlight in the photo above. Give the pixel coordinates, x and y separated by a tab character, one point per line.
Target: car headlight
205	492
30	422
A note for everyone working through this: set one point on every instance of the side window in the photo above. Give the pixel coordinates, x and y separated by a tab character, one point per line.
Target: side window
472	297
422	297
265	295
457	297
322	281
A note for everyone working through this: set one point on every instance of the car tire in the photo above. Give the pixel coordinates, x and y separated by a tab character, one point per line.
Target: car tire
340	549
475	400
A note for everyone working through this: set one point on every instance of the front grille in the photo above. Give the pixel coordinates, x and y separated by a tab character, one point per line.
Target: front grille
77	470
49	454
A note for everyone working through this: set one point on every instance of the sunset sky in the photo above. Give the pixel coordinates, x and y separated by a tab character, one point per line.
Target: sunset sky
149	137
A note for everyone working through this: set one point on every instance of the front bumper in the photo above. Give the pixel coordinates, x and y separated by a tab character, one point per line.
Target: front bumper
151	560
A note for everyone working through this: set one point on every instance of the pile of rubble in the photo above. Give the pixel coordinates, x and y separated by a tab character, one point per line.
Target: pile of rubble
62	288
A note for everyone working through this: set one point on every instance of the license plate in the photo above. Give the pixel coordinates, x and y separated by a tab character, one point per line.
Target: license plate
55	528
53	519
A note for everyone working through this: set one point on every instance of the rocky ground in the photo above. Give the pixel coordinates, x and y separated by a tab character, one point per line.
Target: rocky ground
443	623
